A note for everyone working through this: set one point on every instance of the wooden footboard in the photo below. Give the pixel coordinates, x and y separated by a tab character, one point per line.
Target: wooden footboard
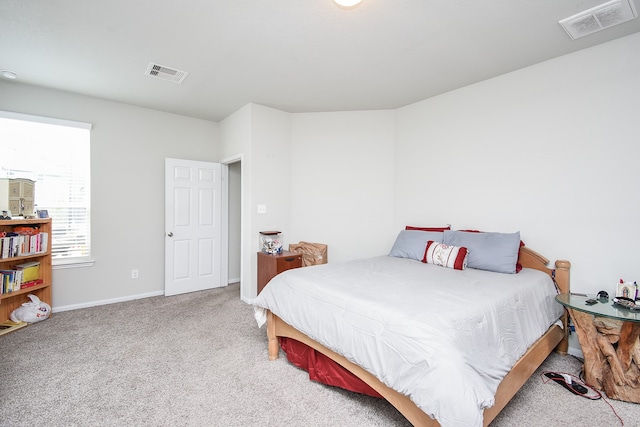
555	337
523	369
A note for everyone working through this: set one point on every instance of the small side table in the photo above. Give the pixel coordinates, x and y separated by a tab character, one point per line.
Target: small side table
270	265
608	336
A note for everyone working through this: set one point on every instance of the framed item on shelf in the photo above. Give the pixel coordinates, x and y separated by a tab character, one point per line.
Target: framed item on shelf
627	290
43	214
5	215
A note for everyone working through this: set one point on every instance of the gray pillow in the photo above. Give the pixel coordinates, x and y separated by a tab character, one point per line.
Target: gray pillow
487	251
412	243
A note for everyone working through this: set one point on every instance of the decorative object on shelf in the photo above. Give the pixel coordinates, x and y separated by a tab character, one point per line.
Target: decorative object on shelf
5	215
627	290
270	242
31	312
603	296
43	213
17	195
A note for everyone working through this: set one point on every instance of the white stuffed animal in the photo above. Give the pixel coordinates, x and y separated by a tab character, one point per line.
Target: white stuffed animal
31	312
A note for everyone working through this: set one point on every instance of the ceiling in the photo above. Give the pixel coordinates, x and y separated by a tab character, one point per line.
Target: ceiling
293	55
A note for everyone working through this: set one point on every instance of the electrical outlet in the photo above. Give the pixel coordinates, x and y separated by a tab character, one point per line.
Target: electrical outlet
134	273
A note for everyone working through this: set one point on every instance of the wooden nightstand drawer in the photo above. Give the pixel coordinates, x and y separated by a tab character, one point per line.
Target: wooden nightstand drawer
270	265
288	262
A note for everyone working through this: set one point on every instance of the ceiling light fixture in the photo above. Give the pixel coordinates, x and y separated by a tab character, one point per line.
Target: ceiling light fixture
8	74
347	4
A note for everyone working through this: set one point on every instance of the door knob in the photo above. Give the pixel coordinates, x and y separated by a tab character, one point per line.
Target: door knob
170	234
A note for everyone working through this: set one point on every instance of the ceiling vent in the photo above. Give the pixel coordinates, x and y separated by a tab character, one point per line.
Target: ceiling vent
598	18
166	73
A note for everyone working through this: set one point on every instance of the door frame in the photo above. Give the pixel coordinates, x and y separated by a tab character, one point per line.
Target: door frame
225	194
224	222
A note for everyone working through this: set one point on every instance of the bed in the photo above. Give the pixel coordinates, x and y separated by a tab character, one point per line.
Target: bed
446	344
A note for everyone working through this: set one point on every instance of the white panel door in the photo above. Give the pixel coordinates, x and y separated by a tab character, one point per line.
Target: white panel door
193	222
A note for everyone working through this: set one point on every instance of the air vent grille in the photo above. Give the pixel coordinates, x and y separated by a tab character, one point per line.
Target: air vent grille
166	73
599	18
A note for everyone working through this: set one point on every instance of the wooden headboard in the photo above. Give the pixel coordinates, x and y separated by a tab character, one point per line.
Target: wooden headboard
532	259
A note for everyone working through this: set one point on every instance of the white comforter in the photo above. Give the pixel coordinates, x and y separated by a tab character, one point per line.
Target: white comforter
443	337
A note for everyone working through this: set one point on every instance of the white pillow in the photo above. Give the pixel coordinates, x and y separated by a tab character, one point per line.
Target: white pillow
487	251
412	243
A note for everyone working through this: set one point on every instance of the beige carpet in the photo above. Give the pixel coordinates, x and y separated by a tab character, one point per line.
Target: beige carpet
200	360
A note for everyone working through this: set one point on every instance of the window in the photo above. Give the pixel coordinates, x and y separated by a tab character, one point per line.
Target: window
55	154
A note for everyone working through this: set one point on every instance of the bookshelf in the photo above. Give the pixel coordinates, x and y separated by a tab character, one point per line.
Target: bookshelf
9	301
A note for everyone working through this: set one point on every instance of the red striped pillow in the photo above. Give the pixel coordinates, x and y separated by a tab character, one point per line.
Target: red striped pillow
445	255
411	227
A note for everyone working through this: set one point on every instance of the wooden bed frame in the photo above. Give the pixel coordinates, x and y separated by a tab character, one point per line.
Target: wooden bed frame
555	337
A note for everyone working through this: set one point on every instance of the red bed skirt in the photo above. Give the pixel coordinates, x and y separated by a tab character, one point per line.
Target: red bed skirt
323	369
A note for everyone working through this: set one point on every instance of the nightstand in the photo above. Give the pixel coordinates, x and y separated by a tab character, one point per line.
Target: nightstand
270	265
608	335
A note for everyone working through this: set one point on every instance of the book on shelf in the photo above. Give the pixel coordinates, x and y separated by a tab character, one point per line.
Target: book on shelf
6	245
33	244
6	281
17	280
44	241
38	243
15	245
31	283
11	281
22	276
30	270
12	245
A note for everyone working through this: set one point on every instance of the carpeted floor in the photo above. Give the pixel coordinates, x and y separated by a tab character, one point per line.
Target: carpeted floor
200	360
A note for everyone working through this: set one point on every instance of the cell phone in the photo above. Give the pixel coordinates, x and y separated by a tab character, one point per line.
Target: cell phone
590	301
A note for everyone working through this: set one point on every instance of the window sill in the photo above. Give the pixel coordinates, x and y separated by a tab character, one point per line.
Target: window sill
60	265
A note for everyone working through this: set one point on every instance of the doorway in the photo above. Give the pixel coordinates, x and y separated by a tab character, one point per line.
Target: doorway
234	217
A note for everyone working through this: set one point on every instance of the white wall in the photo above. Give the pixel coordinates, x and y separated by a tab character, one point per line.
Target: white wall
262	136
551	150
342	182
324	177
128	147
235	143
